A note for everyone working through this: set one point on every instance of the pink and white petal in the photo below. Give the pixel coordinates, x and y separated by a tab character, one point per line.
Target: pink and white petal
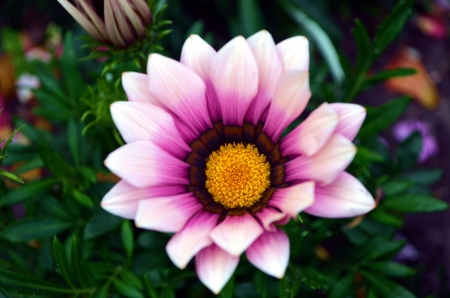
270	253
268	216
294	199
290	99
215	267
310	136
192	238
180	90
123	199
144	164
345	197
351	117
236	233
135	85
197	54
294	53
325	165
234	75
142	121
167	214
269	68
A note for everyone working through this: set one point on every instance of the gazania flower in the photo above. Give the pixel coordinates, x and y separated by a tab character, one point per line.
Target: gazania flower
204	158
123	21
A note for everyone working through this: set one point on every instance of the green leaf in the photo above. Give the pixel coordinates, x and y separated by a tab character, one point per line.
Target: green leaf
409	150
414	203
392	25
395	187
34	229
343	287
127	238
27	190
82	198
424	177
82	272
382	117
391	269
365	155
250	17
148	287
72	77
261	282
378	248
100	223
386	288
381	216
74	139
322	40
131	279
228	289
363	60
11	176
387	74
54	208
62	261
126	289
18	284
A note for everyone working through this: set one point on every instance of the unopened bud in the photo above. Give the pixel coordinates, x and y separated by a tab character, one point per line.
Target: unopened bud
123	23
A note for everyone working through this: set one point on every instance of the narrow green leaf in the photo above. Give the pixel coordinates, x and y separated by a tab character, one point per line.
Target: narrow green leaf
378	248
34	229
74	140
130	279
386	288
126	289
343	287
100	223
382	117
54	208
82	198
322	40
18	284
364	45
387	74
127	238
382	216
414	203
395	187
148	287
27	190
250	17
73	78
228	289
409	150
80	269
425	177
391	269
31	164
62	262
392	25
366	155
11	176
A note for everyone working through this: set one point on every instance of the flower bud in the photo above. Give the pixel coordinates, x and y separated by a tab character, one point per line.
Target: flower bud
123	23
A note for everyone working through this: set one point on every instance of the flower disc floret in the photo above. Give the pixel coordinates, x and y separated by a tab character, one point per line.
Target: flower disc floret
237	175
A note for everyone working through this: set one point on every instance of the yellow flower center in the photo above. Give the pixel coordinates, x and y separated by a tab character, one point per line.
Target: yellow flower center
237	175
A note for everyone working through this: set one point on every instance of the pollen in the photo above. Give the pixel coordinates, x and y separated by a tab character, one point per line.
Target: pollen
237	175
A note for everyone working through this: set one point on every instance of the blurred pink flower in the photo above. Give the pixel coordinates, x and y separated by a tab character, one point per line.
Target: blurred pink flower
404	129
204	157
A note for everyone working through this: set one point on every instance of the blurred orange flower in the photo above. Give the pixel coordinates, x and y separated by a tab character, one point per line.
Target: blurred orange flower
419	85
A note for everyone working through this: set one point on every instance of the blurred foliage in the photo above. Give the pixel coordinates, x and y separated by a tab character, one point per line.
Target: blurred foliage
65	245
